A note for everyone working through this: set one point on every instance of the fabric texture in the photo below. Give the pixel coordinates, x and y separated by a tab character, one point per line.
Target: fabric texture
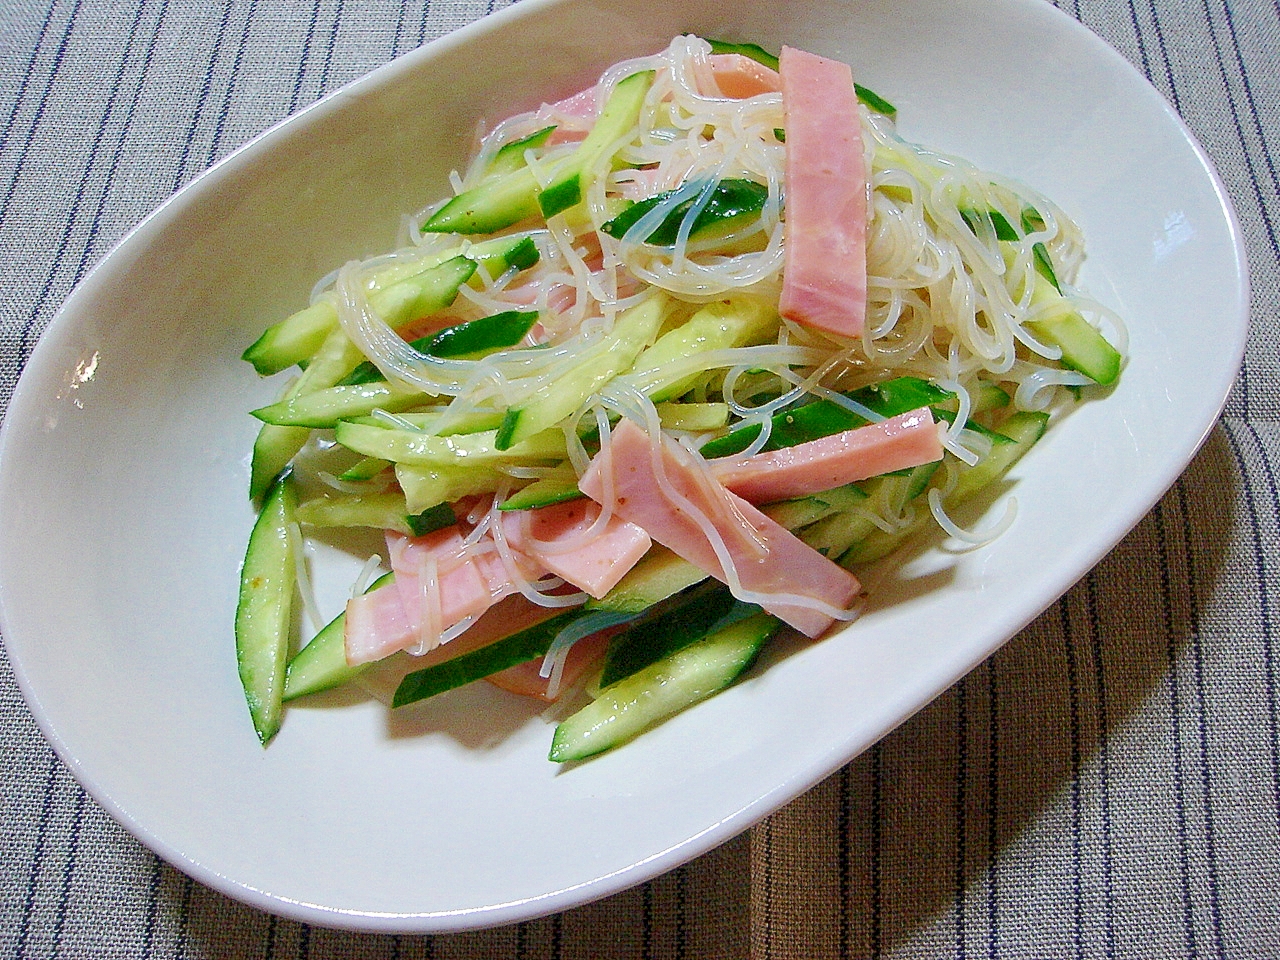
1106	785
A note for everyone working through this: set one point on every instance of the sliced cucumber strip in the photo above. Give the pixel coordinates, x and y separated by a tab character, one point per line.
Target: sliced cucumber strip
422	449
559	485
693	417
265	609
511	156
687	618
662	689
751	50
323	409
599	363
520	647
493	204
727	323
617	116
292	339
381	511
732	201
426	486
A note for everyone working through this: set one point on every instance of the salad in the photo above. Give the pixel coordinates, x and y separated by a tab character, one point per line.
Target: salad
683	353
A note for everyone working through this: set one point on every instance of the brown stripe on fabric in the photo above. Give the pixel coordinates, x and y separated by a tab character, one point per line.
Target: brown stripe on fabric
796	911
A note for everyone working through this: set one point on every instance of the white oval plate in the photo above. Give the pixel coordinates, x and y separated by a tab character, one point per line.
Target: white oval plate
124	469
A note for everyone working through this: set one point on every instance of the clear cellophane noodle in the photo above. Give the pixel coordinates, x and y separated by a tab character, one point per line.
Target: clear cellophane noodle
945	301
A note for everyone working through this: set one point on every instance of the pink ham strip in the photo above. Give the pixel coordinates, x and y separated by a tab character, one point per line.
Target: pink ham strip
574	117
768	559
469	582
824	279
740	78
906	440
390	618
553	536
377	626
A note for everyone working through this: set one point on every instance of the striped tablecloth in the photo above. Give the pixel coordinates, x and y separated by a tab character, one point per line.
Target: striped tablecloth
1108	784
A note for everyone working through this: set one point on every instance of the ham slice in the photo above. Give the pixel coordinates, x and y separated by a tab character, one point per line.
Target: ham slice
464	582
824	278
649	482
555	537
739	77
574	116
377	626
389	619
906	440
469	582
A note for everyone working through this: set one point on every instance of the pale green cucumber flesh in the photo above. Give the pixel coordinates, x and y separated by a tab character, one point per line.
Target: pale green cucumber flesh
265	608
492	205
1024	429
409	447
1083	347
601	362
658	575
424	294
292	340
381	511
324	408
617	116
662	689
273	449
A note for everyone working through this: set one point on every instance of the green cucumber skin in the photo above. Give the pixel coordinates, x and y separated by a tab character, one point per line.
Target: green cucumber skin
618	115
542	493
265	609
690	618
821	418
518	648
731	200
656	692
752	51
476	337
468	340
492	205
561	195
